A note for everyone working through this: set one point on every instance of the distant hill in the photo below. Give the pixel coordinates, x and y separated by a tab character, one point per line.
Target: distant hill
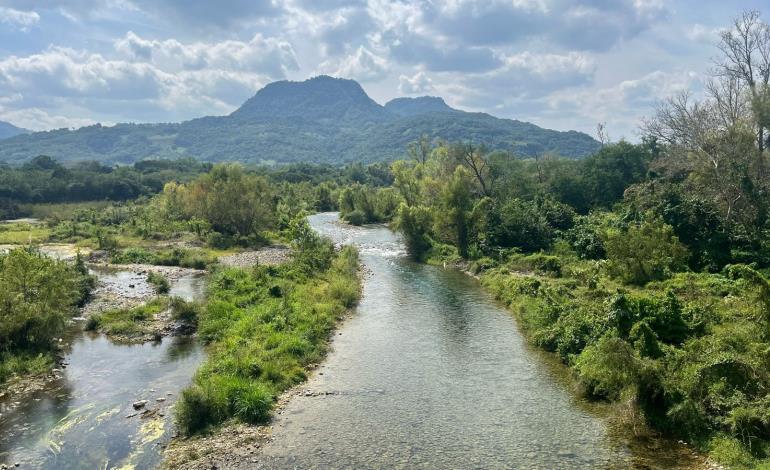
321	120
9	130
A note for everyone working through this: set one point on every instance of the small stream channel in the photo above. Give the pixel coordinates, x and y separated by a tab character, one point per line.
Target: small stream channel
83	418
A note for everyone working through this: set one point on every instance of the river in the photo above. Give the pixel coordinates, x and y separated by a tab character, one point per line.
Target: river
431	372
85	418
428	372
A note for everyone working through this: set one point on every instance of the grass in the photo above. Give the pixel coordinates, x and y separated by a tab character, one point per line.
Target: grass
264	328
195	258
23	234
128	323
158	282
24	364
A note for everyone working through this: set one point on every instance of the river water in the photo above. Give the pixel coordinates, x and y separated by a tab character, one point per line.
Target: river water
83	419
430	372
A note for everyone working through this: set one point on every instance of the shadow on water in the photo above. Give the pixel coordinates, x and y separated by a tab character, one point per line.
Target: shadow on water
85	419
431	372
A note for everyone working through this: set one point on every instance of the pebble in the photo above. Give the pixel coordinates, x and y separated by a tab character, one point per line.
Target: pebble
139	404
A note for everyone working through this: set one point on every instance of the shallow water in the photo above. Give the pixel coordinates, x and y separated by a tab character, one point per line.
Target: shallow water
430	372
79	420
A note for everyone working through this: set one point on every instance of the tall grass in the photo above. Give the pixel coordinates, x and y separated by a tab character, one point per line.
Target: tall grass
264	327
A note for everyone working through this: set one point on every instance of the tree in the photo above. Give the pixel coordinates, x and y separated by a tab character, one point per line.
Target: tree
419	150
475	159
36	295
414	223
745	60
455	207
610	171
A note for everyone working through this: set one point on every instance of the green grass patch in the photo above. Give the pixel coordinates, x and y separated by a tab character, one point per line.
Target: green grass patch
24	364
158	282
23	234
264	327
195	258
130	322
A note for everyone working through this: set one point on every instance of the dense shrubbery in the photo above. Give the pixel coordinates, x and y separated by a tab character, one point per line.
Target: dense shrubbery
686	349
37	296
286	312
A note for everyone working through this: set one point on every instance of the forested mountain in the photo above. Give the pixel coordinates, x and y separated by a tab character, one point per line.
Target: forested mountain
321	120
9	130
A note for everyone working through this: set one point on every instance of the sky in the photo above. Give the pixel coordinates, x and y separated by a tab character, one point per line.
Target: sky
557	63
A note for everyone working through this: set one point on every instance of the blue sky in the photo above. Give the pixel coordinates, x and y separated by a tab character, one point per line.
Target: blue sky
560	64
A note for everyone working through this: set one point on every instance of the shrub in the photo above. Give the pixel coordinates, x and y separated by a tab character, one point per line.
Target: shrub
183	310
645	252
520	224
158	282
608	367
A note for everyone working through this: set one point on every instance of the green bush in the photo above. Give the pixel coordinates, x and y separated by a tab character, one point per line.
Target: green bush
158	282
645	252
183	310
37	296
608	367
355	217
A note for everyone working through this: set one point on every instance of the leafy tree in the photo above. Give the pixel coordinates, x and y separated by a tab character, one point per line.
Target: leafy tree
519	224
611	170
37	294
414	222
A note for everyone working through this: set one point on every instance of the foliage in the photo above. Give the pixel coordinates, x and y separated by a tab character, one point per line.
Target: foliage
37	296
128	323
644	252
414	223
158	282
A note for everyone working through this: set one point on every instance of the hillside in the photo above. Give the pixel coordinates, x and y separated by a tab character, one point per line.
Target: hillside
9	130
322	120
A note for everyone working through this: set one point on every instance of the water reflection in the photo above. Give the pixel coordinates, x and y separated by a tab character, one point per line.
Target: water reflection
86	419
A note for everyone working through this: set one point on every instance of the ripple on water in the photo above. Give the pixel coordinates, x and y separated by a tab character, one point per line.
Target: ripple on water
432	373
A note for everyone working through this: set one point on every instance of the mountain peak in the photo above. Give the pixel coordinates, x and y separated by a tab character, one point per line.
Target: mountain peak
417	106
321	98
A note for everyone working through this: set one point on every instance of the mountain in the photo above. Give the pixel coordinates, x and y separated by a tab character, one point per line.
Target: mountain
9	130
416	106
321	120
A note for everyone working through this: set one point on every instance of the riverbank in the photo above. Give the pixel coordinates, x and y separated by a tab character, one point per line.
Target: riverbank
289	312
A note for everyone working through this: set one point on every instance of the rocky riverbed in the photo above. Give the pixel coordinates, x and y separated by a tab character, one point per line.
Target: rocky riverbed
125	285
271	255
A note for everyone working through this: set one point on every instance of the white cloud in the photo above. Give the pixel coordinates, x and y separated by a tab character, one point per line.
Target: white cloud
37	119
18	18
362	65
621	106
60	78
267	56
419	83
